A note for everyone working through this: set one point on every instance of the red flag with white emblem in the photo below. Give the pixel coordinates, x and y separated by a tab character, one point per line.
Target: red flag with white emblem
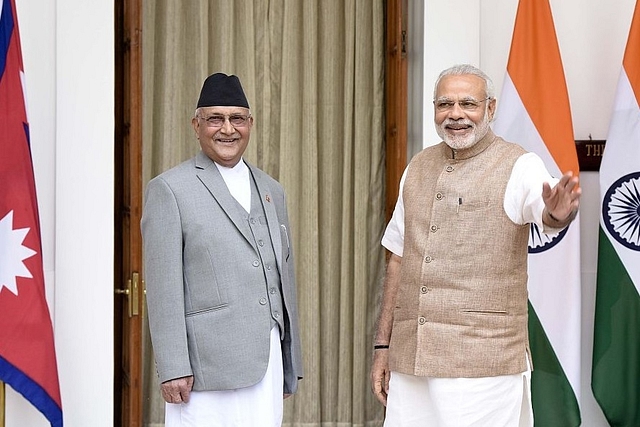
27	353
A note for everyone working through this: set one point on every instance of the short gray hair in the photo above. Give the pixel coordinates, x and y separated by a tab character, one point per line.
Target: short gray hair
465	69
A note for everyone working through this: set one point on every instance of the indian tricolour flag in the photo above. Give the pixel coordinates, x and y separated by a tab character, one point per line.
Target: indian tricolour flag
616	343
534	112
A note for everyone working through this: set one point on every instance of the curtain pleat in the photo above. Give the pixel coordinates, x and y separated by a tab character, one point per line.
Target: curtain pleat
313	71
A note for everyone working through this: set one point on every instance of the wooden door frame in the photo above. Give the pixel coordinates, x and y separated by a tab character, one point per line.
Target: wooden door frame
396	99
128	308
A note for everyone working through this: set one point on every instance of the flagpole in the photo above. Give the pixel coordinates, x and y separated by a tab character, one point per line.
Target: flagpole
2	403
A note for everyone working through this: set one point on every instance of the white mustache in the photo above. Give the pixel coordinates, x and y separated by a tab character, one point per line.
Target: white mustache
466	122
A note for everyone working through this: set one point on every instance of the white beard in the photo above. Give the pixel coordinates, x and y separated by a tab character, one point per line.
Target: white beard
461	142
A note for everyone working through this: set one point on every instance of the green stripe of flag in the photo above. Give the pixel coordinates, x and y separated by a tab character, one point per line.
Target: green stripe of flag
553	399
616	342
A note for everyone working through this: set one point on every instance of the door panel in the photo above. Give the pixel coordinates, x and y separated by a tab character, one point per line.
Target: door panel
129	285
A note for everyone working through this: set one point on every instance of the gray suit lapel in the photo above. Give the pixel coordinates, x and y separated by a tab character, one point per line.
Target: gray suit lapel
209	175
268	204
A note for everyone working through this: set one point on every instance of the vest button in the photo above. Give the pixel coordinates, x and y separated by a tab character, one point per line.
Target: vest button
434	228
272	291
276	315
428	259
263	301
252	220
260	243
255	263
424	289
449	169
439	196
422	320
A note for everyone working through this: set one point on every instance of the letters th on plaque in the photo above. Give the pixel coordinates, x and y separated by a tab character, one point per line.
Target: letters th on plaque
590	153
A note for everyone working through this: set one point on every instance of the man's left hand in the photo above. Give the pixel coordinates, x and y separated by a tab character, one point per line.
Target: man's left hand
177	390
563	200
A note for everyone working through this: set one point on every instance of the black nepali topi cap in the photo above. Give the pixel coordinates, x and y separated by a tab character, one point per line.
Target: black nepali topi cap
220	90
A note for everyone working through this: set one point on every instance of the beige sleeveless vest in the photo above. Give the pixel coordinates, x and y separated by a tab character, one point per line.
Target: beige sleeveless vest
461	309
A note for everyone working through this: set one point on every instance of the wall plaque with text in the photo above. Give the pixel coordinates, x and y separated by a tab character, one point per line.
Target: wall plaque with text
590	153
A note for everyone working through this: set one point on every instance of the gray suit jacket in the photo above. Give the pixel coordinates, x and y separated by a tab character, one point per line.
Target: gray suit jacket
203	290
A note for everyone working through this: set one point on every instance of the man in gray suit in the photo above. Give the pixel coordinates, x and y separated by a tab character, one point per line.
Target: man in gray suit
220	278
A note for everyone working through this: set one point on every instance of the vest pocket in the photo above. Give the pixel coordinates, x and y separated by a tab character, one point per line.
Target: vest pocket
485	312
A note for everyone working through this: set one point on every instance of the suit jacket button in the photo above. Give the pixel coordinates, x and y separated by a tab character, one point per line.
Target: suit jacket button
263	301
256	263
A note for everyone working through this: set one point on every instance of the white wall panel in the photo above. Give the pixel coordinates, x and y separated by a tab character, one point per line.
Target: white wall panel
67	49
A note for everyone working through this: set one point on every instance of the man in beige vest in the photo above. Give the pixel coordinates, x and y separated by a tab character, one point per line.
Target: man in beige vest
451	347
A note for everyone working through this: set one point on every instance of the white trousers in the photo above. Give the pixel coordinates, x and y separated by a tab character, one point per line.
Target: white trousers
260	405
503	401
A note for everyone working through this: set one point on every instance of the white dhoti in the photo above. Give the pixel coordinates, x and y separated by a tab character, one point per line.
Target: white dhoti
260	405
503	401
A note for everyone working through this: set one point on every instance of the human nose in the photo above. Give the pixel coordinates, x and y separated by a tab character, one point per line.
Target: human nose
456	111
227	127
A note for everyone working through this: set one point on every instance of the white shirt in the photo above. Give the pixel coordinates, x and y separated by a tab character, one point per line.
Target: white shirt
237	180
523	202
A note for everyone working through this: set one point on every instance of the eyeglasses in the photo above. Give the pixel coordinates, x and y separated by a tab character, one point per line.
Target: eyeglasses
218	120
470	104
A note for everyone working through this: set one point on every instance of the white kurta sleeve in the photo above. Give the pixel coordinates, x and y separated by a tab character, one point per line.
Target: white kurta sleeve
523	202
393	238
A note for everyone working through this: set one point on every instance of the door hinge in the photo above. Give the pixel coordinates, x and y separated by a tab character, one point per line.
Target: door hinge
404	43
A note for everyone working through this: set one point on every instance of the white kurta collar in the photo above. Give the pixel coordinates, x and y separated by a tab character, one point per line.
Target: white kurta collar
237	180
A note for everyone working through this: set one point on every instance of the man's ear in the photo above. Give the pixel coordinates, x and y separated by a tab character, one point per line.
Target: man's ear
196	125
491	106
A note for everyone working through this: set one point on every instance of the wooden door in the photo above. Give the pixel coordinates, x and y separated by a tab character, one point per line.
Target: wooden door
129	284
396	98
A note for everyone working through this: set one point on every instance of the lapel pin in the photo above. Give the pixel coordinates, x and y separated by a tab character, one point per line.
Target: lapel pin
267	198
